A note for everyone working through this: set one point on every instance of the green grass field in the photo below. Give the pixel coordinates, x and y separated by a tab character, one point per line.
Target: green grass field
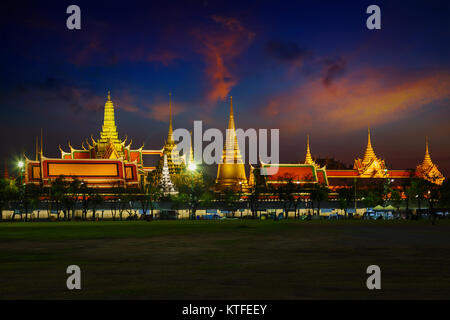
225	259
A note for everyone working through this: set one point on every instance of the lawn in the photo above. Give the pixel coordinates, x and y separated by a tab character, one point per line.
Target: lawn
225	259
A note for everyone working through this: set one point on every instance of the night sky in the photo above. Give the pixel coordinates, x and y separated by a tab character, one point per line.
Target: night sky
301	66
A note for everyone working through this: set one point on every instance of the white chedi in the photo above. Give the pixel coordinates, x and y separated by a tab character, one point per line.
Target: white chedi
165	182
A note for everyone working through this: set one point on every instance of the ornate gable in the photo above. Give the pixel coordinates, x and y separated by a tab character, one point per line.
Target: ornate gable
370	166
428	170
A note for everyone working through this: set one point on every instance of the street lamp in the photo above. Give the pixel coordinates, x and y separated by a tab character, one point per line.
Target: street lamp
192	167
21	165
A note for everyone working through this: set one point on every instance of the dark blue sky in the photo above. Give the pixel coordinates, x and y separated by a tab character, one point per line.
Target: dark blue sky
301	66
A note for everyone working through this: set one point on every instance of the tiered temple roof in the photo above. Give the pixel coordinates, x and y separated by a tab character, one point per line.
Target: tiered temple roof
297	173
106	162
428	170
370	166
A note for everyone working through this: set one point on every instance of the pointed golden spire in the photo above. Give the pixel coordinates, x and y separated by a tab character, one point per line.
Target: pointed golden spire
231	107
37	148
427	159
428	170
308	158
188	159
5	173
231	172
231	151
109	129
42	142
370	153
191	150
231	125
170	135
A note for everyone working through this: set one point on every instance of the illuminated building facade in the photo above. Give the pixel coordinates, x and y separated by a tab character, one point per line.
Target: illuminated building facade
105	162
110	161
369	167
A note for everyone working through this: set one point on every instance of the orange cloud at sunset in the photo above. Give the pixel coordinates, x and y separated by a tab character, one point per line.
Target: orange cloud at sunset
360	98
160	111
219	48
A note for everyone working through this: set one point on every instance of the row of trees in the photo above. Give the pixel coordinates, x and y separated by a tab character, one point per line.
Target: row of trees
413	191
196	190
64	197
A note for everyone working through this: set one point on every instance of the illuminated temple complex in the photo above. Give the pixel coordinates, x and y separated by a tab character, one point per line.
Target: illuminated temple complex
369	167
110	161
106	162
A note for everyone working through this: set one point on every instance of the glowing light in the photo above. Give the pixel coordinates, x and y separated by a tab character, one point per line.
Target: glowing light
192	166
20	164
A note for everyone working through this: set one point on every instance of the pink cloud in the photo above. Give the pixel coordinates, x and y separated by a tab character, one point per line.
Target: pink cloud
366	96
219	48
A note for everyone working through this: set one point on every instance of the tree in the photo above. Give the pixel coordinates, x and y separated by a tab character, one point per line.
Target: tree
57	191
194	189
32	195
445	194
256	192
408	194
8	192
396	198
70	198
433	196
419	188
116	205
231	199
96	199
373	193
346	197
286	195
150	193
85	193
319	193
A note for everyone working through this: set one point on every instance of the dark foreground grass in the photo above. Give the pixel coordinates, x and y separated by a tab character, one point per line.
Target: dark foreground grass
225	259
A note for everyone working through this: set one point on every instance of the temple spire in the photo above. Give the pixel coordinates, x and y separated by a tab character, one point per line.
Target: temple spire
231	107
170	135
428	170
370	153
37	148
231	172
427	159
231	153
191	151
308	158
42	142
5	173
109	129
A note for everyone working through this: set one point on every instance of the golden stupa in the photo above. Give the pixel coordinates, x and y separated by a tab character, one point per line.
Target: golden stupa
231	172
109	146
308	158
